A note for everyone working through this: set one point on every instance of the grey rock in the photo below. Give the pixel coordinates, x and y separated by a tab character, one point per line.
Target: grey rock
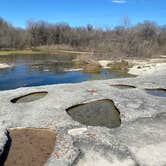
140	140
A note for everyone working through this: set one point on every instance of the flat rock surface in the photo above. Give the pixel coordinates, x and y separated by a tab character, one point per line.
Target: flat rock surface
150	66
140	140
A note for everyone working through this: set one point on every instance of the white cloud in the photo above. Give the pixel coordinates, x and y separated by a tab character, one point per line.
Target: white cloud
119	1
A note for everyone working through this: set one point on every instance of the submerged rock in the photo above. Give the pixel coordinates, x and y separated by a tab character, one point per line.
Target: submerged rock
96	113
29	97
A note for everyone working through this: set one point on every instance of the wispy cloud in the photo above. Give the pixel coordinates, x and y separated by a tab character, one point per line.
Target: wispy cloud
119	1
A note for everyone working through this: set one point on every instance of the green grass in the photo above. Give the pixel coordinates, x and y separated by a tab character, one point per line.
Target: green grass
52	49
12	52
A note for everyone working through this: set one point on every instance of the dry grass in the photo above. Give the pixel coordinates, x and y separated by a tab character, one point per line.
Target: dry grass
92	68
60	49
122	66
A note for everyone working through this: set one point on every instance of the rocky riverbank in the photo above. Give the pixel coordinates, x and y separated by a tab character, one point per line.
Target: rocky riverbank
139	140
137	67
146	67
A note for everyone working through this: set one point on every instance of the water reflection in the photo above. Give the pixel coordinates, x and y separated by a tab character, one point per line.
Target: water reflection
36	70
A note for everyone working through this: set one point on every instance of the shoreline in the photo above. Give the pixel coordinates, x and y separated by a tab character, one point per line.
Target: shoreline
13	52
137	66
140	67
40	51
147	67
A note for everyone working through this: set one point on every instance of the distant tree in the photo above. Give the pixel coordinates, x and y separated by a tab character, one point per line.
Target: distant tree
147	30
143	39
125	21
89	27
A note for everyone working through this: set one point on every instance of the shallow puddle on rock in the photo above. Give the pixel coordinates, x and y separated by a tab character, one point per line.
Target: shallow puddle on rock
96	113
156	92
123	86
29	147
29	97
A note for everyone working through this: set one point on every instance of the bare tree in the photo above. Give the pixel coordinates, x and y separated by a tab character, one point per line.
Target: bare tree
143	39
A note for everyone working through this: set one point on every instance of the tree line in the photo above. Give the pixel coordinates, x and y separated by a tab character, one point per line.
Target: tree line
143	39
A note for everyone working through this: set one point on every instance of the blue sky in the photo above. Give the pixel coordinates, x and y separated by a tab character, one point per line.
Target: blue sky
100	13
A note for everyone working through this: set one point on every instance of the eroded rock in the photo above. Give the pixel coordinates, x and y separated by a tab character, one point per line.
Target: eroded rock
96	113
123	86
29	97
140	140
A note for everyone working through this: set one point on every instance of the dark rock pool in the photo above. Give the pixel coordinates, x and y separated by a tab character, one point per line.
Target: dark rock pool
96	113
156	92
29	97
36	70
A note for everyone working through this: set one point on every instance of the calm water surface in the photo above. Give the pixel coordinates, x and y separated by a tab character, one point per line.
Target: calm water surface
156	92
97	113
36	70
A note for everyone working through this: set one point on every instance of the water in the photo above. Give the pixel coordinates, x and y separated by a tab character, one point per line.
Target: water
97	113
122	86
156	92
36	70
29	97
